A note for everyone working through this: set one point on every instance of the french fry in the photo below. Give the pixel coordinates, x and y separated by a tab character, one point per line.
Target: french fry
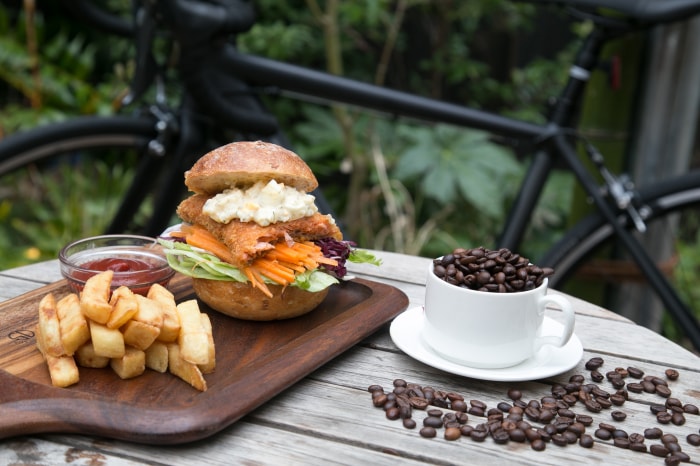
150	312
157	357
132	364
124	306
94	299
193	339
107	342
62	370
74	328
85	357
185	370
211	365
171	320
139	335
49	327
144	327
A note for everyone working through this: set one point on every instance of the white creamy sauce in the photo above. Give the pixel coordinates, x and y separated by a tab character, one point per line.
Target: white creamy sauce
262	203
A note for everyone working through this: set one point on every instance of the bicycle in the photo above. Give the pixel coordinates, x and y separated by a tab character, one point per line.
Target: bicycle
220	86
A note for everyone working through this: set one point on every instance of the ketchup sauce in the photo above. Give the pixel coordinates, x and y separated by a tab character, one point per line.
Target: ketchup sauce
133	273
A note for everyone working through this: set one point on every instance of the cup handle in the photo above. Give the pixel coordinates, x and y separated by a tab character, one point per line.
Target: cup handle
569	320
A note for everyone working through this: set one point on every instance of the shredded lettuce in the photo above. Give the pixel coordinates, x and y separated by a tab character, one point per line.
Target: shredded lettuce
198	263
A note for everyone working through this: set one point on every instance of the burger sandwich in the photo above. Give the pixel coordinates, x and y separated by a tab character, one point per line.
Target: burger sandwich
252	237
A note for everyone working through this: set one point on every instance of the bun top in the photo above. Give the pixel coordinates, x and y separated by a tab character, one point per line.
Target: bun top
245	163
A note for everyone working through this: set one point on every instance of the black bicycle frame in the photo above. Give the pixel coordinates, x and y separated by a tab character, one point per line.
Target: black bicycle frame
550	141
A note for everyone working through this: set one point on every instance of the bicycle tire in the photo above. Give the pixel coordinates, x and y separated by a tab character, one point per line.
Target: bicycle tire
21	149
675	198
37	170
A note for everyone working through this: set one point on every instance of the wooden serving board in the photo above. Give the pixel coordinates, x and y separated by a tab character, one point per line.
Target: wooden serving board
254	362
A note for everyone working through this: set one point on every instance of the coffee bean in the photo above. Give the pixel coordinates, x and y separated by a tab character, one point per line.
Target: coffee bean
603	434
618	415
663	390
672	374
653	433
693	439
409	423
452	433
678	419
594	363
392	413
597	376
593	406
428	432
672	460
663	417
657	408
619	433
514	394
669	438
478	435
635	372
584	419
621	442
635	387
638	447
690	409
560	440
538	445
500	436
433	421
586	441
658	450
503	406
459	405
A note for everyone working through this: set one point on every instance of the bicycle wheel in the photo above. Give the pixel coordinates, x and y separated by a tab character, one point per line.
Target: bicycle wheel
589	263
66	180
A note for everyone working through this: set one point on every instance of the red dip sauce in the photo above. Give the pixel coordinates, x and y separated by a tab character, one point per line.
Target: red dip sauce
121	266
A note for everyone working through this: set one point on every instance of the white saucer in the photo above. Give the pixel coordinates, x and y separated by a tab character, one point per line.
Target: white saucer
406	332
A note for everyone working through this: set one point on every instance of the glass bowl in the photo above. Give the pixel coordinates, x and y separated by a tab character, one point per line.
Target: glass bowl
137	261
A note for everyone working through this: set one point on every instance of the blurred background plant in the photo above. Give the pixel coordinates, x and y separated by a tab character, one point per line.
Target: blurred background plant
398	185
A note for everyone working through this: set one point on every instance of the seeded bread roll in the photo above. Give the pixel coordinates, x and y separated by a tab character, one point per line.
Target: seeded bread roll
244	163
242	301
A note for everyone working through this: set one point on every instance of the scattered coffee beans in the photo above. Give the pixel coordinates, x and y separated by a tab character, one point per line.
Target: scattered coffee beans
552	418
500	271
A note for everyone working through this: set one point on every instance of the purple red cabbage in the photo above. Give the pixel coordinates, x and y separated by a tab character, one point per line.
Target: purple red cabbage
337	250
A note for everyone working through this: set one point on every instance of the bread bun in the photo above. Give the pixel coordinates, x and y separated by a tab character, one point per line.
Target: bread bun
242	301
245	163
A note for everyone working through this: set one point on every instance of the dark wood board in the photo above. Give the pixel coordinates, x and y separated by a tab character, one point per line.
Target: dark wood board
255	361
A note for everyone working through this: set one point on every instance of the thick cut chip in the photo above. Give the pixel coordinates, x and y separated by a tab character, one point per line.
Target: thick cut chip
94	299
157	357
124	306
62	370
187	371
75	331
85	357
132	364
107	342
211	365
150	312
139	335
49	328
171	320
193	339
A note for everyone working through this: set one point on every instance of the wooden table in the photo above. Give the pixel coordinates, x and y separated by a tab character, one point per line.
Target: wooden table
328	417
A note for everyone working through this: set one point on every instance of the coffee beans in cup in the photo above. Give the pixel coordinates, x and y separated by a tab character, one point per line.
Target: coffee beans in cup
499	271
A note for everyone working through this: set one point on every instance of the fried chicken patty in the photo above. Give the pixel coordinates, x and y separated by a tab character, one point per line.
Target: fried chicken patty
248	240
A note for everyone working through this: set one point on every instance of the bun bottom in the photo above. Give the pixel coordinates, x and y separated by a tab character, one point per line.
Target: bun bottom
242	301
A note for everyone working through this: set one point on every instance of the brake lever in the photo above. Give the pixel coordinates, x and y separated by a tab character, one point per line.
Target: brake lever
620	188
146	66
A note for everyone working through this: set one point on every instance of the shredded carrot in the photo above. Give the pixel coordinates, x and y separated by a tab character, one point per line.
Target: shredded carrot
279	264
201	238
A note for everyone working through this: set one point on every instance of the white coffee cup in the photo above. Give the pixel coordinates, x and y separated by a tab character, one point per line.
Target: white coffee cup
489	330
